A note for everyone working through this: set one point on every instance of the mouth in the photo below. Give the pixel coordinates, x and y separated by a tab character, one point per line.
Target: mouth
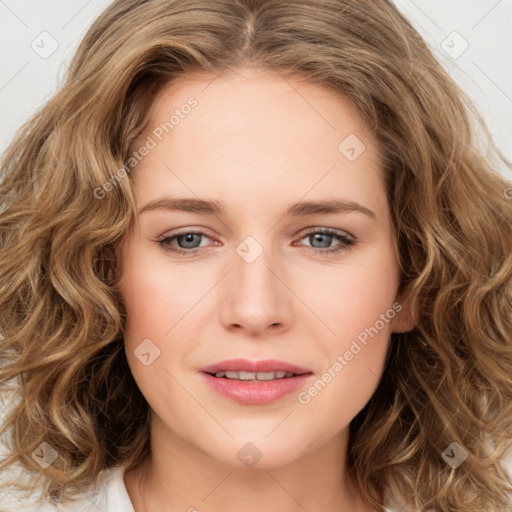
246	370
255	382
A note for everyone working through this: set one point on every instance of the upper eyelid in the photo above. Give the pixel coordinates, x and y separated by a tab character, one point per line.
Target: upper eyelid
185	231
334	231
205	231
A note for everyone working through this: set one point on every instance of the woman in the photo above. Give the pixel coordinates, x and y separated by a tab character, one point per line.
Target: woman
252	258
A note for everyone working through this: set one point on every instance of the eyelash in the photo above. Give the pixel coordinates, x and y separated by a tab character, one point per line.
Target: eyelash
346	242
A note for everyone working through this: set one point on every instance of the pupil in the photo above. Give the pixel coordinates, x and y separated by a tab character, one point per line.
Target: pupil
189	238
324	243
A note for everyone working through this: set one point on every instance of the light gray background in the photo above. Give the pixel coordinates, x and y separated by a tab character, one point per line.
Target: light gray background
29	74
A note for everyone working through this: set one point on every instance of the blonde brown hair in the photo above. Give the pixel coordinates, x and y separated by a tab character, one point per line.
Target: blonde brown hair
61	315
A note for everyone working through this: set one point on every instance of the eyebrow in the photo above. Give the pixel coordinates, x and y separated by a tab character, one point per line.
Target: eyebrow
300	209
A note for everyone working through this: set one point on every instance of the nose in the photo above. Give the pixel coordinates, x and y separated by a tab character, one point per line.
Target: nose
256	297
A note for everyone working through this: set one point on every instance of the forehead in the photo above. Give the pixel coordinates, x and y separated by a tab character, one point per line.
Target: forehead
252	132
249	95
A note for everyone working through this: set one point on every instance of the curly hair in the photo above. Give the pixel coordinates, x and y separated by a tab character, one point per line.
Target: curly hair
61	315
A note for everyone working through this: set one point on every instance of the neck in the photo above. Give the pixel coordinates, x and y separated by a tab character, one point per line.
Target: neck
176	476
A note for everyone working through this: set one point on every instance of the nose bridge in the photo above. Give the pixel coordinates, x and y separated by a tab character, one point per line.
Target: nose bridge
256	299
252	278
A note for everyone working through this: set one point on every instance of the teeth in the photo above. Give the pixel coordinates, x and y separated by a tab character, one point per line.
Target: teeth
280	374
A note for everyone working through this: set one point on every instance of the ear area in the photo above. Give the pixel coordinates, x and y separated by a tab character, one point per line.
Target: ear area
403	321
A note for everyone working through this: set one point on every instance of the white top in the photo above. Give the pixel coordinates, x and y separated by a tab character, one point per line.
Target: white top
111	496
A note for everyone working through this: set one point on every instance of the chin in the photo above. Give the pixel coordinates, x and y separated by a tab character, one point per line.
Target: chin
256	452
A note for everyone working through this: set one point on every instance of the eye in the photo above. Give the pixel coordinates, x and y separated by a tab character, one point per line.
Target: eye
188	242
323	239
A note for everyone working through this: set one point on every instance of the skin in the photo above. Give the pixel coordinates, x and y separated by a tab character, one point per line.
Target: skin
259	143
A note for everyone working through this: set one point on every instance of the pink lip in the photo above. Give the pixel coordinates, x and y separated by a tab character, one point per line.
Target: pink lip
244	365
255	393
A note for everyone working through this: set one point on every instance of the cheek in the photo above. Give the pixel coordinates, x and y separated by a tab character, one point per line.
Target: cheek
160	300
357	304
157	295
352	296
153	308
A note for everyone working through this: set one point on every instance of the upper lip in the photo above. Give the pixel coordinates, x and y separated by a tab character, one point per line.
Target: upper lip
244	365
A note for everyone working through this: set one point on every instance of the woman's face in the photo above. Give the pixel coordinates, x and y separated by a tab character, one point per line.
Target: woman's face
254	166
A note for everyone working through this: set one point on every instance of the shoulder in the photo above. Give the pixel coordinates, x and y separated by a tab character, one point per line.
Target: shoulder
110	495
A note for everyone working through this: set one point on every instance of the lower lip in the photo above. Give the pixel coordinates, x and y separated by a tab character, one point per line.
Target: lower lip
256	393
